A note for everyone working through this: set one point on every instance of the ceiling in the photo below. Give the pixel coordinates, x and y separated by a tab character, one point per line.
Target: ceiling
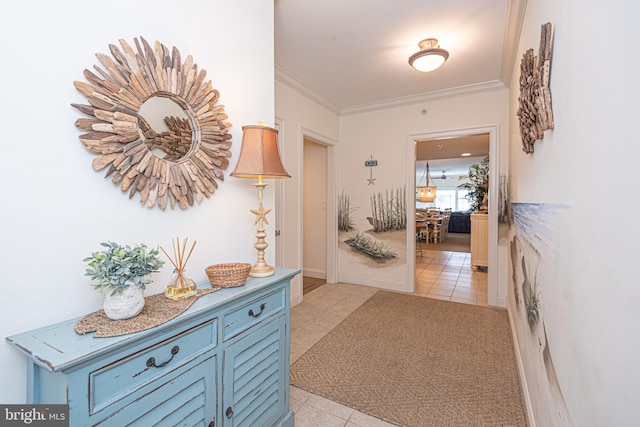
354	53
352	56
445	155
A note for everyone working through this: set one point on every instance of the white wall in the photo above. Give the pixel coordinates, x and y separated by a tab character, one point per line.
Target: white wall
55	208
383	134
299	116
315	210
589	293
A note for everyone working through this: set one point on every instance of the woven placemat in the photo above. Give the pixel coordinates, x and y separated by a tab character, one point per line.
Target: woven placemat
157	310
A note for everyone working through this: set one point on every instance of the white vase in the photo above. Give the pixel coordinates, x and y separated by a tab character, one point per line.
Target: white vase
124	305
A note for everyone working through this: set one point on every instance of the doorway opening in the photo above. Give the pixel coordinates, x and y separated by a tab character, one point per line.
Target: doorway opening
314	208
443	261
290	213
449	161
445	166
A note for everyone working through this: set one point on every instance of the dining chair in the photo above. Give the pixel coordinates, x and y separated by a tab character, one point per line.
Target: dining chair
419	225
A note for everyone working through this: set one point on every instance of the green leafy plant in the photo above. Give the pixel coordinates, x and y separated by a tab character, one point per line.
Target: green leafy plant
118	266
478	184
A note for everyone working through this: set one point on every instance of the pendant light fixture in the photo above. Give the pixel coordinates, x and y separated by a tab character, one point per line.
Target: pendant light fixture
426	193
430	56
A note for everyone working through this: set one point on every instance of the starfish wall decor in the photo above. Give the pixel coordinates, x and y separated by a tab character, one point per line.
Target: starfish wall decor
371	163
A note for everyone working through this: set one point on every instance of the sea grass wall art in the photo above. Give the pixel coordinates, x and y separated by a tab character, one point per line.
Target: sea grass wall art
179	164
388	215
533	239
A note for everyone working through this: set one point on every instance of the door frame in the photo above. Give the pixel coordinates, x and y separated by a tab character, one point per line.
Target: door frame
332	194
295	212
279	200
494	173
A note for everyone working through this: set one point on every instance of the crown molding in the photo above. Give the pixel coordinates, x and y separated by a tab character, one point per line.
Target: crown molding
304	89
286	78
423	97
512	31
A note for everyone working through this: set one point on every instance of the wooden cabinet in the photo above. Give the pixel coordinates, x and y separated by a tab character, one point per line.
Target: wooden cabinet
223	362
479	240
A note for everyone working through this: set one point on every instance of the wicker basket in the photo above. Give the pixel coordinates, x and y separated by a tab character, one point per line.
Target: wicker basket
228	275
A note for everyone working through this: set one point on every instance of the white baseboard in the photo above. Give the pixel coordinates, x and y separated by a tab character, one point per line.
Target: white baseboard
523	379
314	273
295	299
296	290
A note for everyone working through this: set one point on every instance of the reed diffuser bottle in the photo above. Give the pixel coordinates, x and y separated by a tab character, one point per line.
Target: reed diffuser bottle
180	286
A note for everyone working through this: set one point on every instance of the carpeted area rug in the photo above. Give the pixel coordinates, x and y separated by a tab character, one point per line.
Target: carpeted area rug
418	362
453	242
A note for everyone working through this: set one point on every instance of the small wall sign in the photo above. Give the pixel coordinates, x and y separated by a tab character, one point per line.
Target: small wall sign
370	164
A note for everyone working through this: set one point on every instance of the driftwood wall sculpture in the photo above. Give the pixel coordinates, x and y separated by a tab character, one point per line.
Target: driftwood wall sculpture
188	158
535	114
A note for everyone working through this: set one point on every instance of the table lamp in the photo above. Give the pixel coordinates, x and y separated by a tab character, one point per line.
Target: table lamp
260	158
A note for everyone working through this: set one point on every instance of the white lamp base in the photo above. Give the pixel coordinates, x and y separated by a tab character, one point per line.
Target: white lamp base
261	269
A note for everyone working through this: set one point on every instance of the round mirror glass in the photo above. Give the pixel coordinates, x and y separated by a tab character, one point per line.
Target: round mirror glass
165	128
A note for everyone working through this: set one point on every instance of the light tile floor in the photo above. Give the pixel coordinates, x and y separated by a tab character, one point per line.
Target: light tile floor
439	274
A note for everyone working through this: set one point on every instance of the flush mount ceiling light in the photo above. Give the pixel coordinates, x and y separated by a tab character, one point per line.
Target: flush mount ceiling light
430	56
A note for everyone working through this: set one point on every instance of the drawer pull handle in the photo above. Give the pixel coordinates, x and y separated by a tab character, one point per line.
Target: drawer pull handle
229	412
152	360
262	306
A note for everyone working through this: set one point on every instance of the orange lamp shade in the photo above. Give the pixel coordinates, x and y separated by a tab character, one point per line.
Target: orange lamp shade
259	155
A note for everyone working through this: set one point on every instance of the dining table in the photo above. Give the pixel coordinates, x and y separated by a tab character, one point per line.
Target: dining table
433	223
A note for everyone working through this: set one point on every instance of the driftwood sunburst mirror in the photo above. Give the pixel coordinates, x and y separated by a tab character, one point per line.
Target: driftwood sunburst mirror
155	123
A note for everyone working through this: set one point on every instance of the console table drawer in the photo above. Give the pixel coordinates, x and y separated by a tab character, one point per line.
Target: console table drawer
123	377
182	397
242	318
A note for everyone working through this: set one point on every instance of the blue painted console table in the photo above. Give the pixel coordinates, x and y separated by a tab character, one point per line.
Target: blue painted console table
223	362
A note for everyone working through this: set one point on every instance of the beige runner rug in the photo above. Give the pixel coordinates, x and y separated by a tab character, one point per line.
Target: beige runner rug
418	362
